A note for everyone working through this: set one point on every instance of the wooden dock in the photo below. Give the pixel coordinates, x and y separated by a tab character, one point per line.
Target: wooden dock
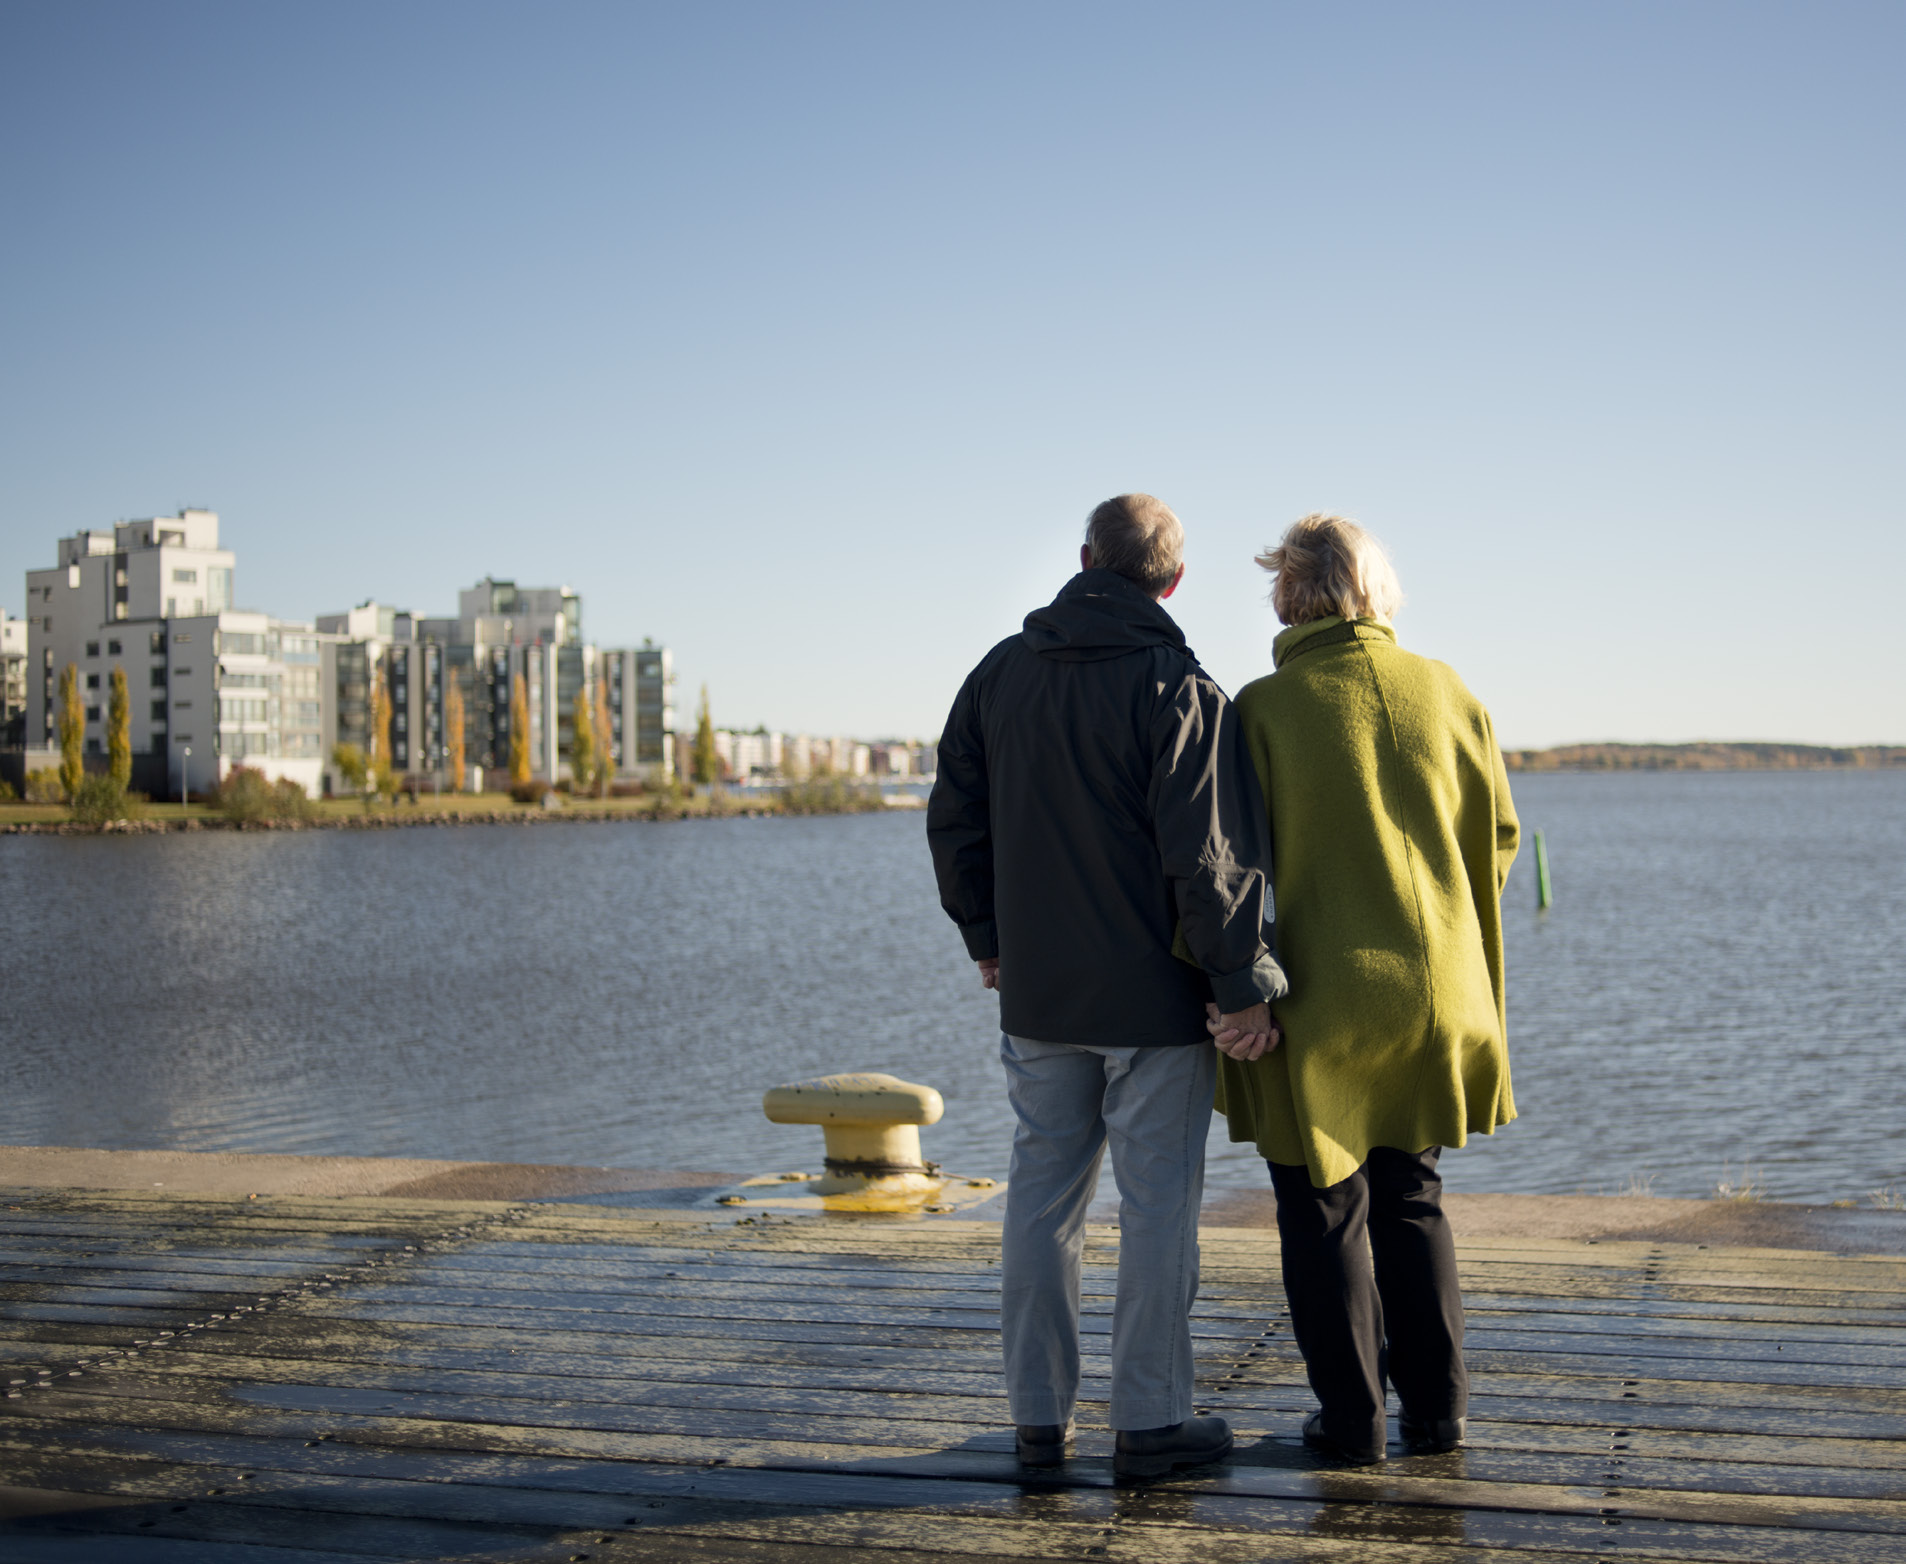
289	1380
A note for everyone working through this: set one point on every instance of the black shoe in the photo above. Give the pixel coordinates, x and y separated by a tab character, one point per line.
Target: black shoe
1041	1444
1355	1455
1152	1452
1432	1436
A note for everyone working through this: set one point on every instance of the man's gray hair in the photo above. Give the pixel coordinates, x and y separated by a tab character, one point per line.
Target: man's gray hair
1138	537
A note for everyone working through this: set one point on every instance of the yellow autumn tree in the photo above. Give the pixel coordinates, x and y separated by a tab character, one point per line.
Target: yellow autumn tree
582	743
72	733
381	781
119	731
605	740
519	732
453	730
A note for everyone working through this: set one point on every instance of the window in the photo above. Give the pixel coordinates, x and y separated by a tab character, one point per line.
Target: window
158	678
92	648
181	705
112	649
183	673
172	608
92	681
158	711
182	639
185	577
92	714
158	643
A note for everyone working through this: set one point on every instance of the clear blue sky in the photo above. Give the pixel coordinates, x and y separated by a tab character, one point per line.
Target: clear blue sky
802	337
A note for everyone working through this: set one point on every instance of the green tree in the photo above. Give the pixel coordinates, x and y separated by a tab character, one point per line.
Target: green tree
119	732
582	745
351	765
705	764
453	729
519	733
72	733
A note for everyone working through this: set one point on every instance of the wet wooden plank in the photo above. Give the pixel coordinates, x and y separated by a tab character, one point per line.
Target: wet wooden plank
1727	1404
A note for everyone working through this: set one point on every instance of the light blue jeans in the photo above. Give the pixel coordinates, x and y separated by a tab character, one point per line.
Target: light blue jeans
1153	1105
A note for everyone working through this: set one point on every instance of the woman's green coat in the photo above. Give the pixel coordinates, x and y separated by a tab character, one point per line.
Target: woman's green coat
1393	832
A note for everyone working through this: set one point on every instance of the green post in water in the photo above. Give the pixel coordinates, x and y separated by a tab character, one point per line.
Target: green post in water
1543	894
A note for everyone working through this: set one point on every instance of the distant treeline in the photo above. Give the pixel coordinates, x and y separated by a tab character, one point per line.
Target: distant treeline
1703	757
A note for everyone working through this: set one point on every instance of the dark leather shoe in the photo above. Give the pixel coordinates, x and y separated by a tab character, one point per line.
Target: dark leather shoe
1432	1436
1041	1444
1336	1449
1152	1452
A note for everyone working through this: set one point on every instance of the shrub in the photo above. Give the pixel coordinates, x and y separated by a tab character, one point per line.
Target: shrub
246	795
829	796
289	801
530	792
44	787
101	799
7	795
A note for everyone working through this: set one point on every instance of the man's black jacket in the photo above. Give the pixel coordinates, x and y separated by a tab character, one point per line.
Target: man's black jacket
1093	797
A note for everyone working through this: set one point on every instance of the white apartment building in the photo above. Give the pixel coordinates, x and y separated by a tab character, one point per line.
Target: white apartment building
745	755
12	668
154	598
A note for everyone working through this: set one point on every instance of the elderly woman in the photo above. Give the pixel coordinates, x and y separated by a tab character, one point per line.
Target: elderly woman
1393	833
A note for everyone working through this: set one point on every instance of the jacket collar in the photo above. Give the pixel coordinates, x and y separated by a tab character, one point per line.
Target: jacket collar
1328	631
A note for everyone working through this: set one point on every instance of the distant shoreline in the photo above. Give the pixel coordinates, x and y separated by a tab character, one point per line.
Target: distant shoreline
1707	757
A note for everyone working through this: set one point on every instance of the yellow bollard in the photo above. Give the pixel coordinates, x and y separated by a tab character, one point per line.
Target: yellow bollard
871	1126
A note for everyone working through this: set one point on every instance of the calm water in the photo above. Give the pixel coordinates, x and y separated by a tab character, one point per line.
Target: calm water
1720	984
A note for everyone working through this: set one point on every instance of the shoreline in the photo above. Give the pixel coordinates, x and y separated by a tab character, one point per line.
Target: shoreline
399	819
1754	1224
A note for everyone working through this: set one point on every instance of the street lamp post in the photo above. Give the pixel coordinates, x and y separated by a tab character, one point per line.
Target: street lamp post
185	767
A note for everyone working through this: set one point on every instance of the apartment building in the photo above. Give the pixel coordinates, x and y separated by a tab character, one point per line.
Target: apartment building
502	634
12	681
211	686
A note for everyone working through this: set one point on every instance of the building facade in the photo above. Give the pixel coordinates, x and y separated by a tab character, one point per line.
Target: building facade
211	686
502	634
13	657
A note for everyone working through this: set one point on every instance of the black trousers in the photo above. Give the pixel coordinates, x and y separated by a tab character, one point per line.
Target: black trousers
1389	1307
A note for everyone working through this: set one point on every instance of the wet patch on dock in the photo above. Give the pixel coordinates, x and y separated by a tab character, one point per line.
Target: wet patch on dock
294	1379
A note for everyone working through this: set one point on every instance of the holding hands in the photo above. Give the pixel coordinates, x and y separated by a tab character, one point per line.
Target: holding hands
1244	1034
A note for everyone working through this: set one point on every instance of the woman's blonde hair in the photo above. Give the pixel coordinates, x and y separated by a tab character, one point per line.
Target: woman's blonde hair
1329	565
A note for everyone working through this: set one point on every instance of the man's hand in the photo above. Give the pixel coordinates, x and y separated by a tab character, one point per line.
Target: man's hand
1243	1034
988	972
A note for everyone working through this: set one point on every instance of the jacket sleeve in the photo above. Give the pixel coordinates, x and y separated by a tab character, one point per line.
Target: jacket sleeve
1214	841
1508	829
959	826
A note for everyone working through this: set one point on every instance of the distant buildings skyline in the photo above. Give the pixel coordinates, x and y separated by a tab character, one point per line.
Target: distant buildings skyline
215	686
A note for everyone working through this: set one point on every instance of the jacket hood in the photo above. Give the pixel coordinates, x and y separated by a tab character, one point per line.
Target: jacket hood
1097	615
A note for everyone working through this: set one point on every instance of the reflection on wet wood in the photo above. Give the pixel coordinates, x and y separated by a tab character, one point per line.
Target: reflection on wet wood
293	1380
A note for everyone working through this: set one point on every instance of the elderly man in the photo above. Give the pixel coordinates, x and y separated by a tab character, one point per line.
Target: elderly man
1099	839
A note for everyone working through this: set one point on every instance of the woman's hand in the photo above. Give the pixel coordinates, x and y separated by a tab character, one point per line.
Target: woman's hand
1243	1034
